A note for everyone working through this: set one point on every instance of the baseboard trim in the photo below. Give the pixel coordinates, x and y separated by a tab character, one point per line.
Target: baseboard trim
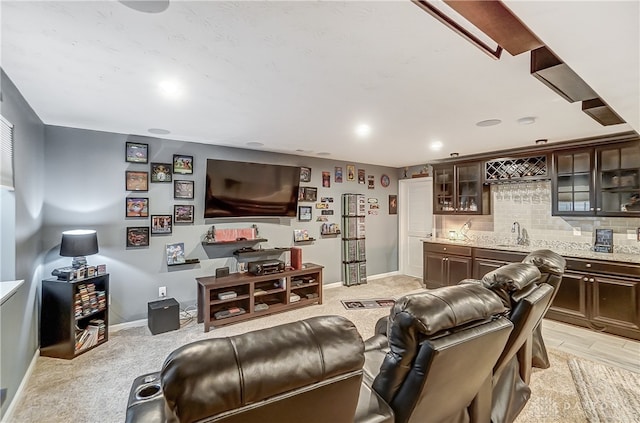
8	416
369	278
127	325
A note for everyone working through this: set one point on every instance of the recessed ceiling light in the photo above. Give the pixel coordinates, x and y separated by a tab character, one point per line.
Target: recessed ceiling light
363	130
158	131
489	122
170	88
255	144
436	145
527	120
454	154
324	153
541	141
147	6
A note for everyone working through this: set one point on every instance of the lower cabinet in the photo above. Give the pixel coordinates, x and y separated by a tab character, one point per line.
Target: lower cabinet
446	264
486	260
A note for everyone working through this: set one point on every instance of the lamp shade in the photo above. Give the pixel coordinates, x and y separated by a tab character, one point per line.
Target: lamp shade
79	242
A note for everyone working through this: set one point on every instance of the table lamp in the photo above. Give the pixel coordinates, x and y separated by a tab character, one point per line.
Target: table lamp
79	243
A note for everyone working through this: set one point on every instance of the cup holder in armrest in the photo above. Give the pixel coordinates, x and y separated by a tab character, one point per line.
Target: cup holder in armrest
148	391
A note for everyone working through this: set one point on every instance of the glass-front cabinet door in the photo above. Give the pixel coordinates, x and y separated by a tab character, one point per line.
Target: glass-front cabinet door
618	180
443	190
458	189
469	192
573	186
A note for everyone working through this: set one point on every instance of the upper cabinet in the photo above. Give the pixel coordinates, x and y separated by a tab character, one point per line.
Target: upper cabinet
600	181
458	189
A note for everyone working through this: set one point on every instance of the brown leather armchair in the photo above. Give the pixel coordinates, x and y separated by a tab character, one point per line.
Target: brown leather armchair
307	371
552	267
438	353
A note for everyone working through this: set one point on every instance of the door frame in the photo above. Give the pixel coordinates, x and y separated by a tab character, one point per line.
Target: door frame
403	187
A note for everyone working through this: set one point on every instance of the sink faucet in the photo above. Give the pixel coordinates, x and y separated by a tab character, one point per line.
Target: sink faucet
520	239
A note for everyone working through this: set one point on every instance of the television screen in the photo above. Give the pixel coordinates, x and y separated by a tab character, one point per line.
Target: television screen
236	189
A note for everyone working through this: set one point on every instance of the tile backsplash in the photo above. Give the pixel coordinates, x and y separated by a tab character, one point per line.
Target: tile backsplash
530	205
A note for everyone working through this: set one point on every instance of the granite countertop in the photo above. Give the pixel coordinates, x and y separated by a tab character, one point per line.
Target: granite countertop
564	249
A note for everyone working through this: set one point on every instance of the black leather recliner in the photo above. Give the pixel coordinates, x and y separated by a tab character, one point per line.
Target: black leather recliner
308	371
516	284
552	267
438	352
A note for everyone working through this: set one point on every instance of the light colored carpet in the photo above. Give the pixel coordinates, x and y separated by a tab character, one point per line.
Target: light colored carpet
607	394
94	387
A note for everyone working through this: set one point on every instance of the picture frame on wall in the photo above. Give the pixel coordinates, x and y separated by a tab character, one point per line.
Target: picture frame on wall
337	175
393	204
160	172
137	236
136	152
361	179
182	164
161	224
136	181
183	189
136	207
183	213
326	179
304	213
351	172
305	174
308	194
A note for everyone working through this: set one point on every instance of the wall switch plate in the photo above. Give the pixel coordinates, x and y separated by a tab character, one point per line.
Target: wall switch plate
577	231
162	291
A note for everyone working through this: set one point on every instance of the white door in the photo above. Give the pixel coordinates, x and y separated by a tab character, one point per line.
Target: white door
415	208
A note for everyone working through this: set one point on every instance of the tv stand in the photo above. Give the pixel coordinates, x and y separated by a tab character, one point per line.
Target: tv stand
256	296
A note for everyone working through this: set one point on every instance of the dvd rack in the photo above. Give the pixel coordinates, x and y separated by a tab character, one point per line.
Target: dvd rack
354	260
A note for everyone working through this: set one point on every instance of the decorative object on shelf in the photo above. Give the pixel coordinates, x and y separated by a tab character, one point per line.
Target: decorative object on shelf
322	219
136	152
351	172
308	194
361	176
161	224
305	174
183	189
603	241
337	174
137	207
101	269
183	213
160	172
219	236
385	181
329	229
136	181
175	253
138	236
300	235
182	164
393	204
79	243
326	179
304	213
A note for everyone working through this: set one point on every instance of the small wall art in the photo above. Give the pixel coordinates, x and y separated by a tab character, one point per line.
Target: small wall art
183	189
137	236
308	194
182	164
136	152
136	181
160	172
371	180
305	174
385	181
337	174
393	204
304	213
161	224
326	179
175	253
351	173
183	213
361	176
136	207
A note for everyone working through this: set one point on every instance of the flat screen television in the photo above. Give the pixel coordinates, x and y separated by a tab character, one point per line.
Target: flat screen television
238	189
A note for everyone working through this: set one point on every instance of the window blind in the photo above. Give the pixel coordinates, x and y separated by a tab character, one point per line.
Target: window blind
6	160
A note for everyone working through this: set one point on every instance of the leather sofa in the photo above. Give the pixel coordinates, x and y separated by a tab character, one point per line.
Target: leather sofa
307	371
437	353
551	266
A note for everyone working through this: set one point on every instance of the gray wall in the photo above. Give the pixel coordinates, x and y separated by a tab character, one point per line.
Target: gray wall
84	188
19	315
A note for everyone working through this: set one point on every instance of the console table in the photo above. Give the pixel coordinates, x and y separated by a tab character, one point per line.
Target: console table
242	296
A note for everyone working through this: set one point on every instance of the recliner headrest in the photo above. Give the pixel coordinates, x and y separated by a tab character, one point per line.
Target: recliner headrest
212	376
547	261
448	307
512	281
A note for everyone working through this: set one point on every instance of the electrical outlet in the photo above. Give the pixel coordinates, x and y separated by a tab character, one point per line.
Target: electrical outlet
577	231
162	291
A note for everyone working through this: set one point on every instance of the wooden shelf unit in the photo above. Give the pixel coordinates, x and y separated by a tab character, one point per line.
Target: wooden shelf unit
274	290
58	320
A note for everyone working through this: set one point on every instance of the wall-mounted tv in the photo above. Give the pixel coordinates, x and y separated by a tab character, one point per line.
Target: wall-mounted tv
238	189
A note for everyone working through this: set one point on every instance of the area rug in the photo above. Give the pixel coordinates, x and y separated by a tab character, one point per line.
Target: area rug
365	304
607	394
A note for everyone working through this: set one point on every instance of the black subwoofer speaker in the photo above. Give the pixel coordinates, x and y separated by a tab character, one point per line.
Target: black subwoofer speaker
163	316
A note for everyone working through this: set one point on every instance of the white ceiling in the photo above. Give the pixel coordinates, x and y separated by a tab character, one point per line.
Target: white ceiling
300	75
